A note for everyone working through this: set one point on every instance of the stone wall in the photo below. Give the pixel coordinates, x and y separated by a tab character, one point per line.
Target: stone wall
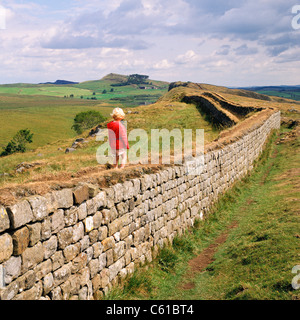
216	115
77	243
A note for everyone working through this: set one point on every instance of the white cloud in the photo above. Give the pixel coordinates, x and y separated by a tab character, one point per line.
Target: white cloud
211	41
163	64
189	57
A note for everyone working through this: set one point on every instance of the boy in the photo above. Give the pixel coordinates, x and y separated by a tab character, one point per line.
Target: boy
118	137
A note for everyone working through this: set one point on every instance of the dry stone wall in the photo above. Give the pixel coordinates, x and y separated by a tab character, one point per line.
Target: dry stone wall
78	243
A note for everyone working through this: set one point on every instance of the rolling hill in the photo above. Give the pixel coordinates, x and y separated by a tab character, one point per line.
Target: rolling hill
287	92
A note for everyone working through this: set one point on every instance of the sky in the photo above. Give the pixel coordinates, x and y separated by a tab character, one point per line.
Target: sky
223	42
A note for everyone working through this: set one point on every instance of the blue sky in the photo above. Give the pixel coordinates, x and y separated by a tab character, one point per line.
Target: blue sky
222	42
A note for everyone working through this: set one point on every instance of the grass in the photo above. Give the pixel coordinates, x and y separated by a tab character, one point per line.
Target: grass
255	261
44	110
294	95
53	91
55	130
49	119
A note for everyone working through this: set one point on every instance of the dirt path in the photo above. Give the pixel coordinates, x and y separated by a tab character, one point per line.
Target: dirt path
206	257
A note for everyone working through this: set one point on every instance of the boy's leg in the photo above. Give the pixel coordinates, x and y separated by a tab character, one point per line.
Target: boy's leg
116	161
123	159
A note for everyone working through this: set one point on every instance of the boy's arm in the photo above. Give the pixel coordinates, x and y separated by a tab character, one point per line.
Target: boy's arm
123	135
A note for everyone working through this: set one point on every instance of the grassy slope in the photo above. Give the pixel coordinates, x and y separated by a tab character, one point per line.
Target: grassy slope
55	162
257	258
43	110
50	119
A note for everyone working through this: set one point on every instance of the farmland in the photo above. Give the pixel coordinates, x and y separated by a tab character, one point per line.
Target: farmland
48	110
286	92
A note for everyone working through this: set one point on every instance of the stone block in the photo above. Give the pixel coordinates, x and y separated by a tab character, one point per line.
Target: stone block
65	237
62	199
93	236
119	250
115	268
78	232
9	292
100	199
115	226
82	211
128	190
91	207
81	194
71	216
94	267
97	248
103	232
102	261
20	240
50	247
57	260
48	283
40	207
61	275
104	274
6	245
71	252
46	231
32	294
118	192
12	269
20	214
34	233
4	219
32	256
108	243
146	182
57	221
79	262
97	219
42	269
89	224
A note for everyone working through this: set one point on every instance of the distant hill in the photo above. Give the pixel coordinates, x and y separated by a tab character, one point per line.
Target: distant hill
287	92
60	82
115	78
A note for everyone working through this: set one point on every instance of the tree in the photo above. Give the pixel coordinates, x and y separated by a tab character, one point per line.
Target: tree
18	142
137	79
87	120
104	91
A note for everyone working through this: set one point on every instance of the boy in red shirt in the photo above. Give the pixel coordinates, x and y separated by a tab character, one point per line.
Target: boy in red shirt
117	135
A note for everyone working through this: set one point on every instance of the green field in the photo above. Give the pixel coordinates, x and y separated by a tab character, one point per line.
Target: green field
48	110
282	94
286	92
49	119
53	91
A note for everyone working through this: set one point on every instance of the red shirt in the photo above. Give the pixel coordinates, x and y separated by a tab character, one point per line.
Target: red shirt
117	135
